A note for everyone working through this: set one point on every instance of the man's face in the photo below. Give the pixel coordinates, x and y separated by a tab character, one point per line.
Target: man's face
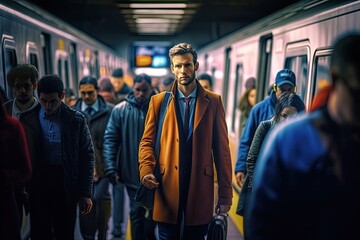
205	84
88	93
142	91
284	88
184	68
23	90
117	83
50	102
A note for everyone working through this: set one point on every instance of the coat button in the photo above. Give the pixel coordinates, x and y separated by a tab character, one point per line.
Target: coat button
176	167
177	140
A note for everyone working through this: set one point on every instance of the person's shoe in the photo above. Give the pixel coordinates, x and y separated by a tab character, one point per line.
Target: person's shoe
117	232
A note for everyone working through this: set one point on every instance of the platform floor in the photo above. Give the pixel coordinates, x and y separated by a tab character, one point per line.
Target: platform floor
233	232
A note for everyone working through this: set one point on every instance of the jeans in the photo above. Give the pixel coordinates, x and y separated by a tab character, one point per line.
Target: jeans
97	218
118	205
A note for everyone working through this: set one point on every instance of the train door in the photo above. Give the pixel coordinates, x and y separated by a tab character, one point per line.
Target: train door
263	75
320	76
9	60
46	51
296	59
226	76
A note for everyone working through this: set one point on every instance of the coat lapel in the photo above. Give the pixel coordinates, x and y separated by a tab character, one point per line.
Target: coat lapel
202	103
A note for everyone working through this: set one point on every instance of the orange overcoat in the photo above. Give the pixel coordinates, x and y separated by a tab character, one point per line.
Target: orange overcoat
210	145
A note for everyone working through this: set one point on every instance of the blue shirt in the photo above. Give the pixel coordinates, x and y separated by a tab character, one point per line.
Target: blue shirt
51	134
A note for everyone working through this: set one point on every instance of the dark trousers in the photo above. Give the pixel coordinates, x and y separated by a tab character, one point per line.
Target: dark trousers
97	218
142	226
172	231
51	215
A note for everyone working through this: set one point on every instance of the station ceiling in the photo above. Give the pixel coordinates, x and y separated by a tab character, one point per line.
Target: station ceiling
199	22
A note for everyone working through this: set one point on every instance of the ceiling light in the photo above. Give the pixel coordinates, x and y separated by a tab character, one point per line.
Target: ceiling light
158	5
158	11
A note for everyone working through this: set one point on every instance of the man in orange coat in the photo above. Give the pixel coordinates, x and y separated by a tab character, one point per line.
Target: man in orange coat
194	136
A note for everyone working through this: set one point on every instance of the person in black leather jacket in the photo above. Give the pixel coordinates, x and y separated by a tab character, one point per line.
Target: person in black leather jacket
123	133
62	157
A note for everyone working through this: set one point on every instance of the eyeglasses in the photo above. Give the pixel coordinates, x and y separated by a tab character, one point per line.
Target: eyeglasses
25	86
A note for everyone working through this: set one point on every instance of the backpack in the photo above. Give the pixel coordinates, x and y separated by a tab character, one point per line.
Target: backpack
217	229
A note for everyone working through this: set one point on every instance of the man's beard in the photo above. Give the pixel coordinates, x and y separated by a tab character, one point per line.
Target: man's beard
191	79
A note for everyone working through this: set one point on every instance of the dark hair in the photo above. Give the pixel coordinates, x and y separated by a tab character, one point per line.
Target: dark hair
205	76
50	84
105	85
23	72
168	81
118	73
142	77
244	105
89	80
346	53
182	49
288	100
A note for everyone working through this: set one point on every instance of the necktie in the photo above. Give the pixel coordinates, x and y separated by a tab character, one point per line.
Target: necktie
187	115
89	111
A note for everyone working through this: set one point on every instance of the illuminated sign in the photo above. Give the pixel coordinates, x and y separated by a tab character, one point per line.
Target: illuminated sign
150	55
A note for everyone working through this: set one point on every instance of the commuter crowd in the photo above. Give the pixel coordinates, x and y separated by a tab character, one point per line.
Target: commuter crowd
65	157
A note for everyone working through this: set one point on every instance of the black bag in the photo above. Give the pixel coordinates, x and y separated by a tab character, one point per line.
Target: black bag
217	229
144	196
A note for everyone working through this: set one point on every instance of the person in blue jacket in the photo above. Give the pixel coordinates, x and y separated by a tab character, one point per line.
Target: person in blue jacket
285	81
308	171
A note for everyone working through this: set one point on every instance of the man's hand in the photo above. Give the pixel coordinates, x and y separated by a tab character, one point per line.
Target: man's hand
224	209
150	181
85	205
113	178
240	177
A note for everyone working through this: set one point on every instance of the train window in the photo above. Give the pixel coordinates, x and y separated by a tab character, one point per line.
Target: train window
46	50
32	54
265	52
321	74
73	67
237	90
299	65
297	61
9	61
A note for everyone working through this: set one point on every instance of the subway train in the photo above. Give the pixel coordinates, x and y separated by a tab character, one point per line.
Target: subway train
31	35
299	38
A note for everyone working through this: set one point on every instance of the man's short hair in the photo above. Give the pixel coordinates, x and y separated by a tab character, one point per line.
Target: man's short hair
168	81
22	71
205	76
89	80
105	85
118	73
50	84
182	49
142	77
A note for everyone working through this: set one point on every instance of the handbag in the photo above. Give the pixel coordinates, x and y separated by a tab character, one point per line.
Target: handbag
217	229
144	196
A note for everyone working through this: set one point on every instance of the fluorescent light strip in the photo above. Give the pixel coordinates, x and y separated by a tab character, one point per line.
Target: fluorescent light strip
158	5
158	11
